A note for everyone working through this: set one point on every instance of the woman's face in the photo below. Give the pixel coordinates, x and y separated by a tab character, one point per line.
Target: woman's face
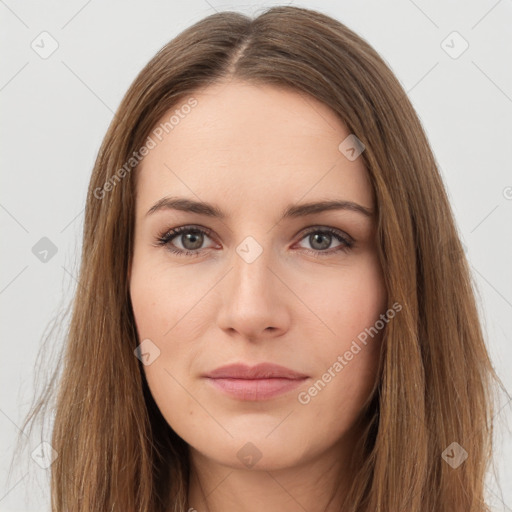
257	286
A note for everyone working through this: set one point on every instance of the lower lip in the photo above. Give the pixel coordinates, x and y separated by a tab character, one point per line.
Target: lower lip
255	389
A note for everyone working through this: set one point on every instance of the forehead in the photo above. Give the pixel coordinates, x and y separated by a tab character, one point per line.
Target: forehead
243	144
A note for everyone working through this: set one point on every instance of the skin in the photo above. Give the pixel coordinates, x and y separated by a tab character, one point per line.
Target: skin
252	151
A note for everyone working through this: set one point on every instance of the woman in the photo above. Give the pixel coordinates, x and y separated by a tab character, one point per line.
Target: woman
273	294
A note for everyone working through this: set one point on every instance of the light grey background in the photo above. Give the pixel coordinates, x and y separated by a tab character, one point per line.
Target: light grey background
55	112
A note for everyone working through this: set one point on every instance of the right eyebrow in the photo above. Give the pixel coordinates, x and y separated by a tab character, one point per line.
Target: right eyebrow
291	211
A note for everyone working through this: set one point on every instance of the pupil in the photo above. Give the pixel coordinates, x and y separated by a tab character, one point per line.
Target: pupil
190	237
321	235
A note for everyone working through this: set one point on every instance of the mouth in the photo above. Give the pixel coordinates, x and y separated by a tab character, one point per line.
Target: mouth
259	382
255	389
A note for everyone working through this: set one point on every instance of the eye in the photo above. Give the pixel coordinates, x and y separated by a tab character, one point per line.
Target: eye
320	239
192	239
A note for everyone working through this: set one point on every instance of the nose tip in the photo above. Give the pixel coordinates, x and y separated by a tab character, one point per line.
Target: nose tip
252	300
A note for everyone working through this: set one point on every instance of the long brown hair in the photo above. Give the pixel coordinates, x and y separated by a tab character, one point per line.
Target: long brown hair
435	382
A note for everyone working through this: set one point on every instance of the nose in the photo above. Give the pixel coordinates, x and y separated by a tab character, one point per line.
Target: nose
254	299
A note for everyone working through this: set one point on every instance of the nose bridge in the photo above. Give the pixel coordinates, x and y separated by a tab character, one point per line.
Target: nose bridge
251	267
252	278
252	300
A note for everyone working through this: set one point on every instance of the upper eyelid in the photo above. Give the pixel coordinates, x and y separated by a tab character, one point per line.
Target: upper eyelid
314	228
209	232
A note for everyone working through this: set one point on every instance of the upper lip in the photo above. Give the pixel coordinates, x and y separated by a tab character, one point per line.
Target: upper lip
260	371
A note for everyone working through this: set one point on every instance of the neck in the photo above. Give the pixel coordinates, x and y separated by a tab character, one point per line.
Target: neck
319	484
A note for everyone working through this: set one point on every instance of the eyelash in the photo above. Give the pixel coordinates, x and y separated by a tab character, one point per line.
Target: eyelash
166	237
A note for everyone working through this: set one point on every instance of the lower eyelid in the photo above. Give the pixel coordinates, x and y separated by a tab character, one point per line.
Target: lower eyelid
346	242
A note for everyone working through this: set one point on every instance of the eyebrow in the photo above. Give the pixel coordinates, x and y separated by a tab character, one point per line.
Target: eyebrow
292	211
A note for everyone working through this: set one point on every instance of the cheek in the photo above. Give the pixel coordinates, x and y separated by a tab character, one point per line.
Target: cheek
157	311
346	362
166	320
347	302
158	298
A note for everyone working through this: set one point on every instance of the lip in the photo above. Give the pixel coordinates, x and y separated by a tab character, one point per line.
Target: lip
259	371
260	382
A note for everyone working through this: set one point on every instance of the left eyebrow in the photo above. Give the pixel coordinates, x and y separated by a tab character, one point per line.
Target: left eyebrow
301	210
291	211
